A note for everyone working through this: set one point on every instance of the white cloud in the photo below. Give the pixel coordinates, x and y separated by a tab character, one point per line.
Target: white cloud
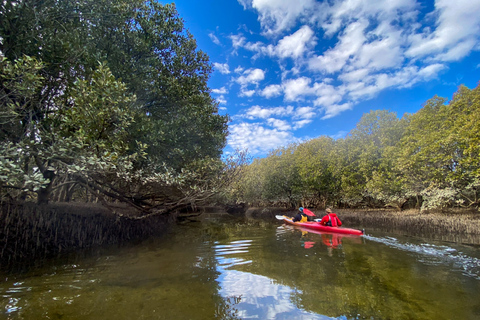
222	67
214	38
278	15
458	24
371	85
457	52
430	71
295	88
354	76
296	44
239	69
279	124
291	46
237	40
264	113
222	90
344	12
327	94
270	91
350	43
256	138
333	110
367	47
380	54
221	99
251	76
305	112
301	123
246	93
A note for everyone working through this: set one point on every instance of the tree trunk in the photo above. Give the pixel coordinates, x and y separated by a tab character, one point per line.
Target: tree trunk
43	194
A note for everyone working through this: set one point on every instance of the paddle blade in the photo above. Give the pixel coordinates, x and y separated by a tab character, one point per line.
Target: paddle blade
280	217
308	212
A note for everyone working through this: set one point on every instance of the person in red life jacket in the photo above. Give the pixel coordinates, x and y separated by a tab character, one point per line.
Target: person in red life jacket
301	216
330	219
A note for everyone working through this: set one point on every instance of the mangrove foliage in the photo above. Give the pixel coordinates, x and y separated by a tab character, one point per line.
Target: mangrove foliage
427	160
106	100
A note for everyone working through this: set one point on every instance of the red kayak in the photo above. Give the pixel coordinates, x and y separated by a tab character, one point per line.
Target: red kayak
317	226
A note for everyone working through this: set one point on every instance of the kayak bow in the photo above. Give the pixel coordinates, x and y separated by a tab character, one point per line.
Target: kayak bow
317	226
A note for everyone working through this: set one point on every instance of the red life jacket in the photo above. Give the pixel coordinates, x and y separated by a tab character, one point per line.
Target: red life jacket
333	219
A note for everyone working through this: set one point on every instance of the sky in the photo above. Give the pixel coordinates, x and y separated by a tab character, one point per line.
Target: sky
287	71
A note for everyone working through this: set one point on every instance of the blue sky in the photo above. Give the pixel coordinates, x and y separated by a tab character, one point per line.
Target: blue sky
291	70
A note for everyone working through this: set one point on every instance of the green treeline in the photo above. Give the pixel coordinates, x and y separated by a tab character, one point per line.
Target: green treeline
427	160
105	99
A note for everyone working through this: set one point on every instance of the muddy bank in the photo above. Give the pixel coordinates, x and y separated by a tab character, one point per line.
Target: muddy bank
30	232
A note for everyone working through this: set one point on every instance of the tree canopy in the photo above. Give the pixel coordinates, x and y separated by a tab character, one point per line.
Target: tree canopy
427	160
108	97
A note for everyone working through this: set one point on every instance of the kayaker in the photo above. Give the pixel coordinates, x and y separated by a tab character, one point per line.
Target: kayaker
301	216
330	219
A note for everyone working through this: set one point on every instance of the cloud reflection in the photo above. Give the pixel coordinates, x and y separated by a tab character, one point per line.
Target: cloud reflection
259	297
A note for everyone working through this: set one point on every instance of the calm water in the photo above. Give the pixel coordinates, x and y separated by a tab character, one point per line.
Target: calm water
221	268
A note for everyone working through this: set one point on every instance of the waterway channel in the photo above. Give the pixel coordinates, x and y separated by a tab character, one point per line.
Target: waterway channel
221	267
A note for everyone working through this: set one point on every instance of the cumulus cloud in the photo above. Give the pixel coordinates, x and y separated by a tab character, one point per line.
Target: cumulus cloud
256	138
221	67
270	91
292	46
276	16
333	110
350	42
251	76
279	124
305	112
222	90
331	55
296	44
327	94
246	93
301	123
295	88
264	113
455	35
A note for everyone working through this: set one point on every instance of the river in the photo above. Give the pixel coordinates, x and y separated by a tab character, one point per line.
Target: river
234	268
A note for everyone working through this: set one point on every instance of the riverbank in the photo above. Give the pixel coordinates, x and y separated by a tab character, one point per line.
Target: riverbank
455	221
455	225
29	232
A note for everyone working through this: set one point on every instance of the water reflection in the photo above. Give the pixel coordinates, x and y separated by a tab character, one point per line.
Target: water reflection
328	239
255	296
224	269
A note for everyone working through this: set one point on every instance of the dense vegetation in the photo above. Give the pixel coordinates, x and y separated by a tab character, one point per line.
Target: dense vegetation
427	160
106	99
